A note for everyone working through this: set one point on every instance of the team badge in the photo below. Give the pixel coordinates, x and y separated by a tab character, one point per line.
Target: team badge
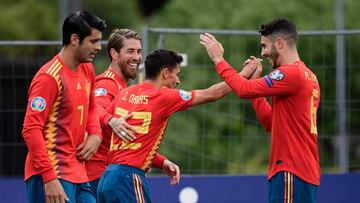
277	75
185	95
99	92
38	104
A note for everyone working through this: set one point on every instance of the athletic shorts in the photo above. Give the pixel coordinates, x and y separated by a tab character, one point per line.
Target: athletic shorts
285	187
94	185
123	184
77	193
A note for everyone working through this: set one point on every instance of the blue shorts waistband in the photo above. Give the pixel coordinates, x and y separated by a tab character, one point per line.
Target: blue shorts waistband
127	168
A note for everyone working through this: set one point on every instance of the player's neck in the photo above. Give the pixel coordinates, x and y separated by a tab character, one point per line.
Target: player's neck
114	67
289	57
154	83
67	57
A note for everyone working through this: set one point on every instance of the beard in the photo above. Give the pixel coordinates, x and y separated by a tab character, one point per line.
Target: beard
128	73
274	57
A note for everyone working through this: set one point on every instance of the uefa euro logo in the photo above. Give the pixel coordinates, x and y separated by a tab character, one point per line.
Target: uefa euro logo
185	95
38	104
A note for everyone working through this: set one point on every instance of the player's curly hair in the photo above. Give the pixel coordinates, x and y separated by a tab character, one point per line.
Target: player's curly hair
282	27
160	59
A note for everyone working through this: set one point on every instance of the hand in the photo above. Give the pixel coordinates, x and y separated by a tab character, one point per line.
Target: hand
214	48
252	68
122	128
88	148
54	192
256	73
172	170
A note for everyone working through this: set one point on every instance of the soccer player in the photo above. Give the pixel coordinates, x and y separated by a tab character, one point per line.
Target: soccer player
151	104
61	108
294	169
124	50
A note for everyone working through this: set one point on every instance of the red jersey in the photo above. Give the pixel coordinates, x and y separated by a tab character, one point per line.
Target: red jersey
56	120
151	109
295	95
107	85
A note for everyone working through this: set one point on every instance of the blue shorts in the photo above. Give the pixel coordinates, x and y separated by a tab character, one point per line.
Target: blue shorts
79	193
121	183
287	187
94	185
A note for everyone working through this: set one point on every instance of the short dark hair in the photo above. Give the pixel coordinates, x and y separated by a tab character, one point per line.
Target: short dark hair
160	59
117	37
81	24
282	27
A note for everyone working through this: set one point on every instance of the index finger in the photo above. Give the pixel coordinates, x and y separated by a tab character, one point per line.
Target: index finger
210	36
127	116
129	127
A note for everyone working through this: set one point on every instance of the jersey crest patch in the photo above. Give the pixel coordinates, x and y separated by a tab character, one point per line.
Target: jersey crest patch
38	104
277	75
185	95
100	92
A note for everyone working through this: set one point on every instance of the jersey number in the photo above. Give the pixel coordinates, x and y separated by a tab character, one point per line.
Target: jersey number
313	110
81	109
143	129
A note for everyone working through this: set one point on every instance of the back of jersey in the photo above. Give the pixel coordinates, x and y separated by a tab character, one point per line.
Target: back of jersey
150	108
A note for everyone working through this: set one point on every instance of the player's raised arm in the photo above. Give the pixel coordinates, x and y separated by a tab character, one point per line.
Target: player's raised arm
219	90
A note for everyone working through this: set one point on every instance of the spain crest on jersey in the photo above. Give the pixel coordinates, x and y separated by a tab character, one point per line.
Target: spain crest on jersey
99	92
38	104
185	95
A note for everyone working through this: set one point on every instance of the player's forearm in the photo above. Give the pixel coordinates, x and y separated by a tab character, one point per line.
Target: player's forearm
218	91
241	86
93	122
213	93
38	152
263	112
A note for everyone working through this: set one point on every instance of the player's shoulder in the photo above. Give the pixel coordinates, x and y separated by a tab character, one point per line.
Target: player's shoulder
176	93
286	71
106	75
51	68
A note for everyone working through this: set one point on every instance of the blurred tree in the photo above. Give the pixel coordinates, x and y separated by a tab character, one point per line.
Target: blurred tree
29	20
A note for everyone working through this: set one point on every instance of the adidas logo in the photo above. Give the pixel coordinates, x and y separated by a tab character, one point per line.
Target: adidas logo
78	86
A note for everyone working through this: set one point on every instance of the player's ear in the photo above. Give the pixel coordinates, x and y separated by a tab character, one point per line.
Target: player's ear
279	43
113	53
74	39
165	73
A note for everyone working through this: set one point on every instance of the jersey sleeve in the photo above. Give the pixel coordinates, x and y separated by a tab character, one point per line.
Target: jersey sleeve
42	96
93	124
158	161
108	114
281	81
105	92
176	100
263	112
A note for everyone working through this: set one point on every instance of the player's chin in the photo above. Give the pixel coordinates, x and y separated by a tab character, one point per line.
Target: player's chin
90	59
87	60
